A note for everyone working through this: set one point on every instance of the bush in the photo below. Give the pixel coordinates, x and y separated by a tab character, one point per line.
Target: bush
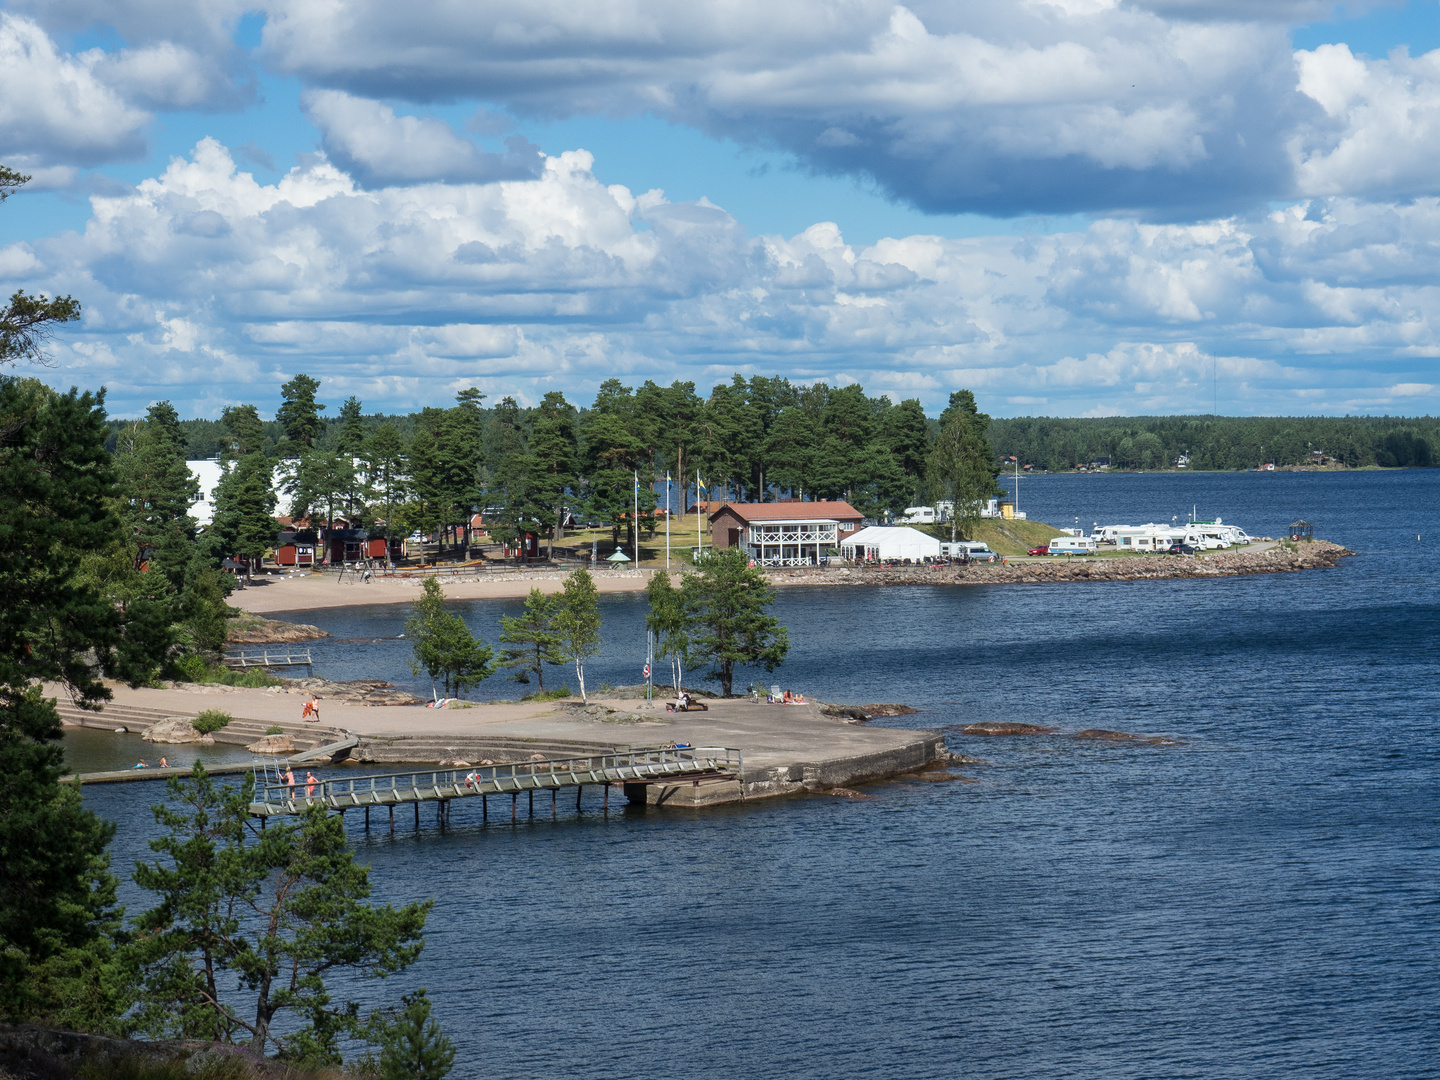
274	729
197	669
548	695
211	721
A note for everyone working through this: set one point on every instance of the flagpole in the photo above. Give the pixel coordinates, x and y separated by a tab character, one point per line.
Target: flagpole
667	519
636	519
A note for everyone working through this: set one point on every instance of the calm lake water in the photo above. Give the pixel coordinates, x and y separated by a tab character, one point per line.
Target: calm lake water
1262	898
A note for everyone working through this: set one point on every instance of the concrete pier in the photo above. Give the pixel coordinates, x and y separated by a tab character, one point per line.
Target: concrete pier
787	748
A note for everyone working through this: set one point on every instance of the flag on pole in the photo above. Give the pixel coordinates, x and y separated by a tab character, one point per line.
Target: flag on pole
699	483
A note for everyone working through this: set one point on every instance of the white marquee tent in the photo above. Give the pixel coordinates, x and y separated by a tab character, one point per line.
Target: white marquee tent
889	542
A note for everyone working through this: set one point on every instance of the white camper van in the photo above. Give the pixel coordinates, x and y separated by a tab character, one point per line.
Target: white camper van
1072	545
968	549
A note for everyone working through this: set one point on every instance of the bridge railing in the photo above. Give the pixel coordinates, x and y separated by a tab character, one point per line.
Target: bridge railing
430	784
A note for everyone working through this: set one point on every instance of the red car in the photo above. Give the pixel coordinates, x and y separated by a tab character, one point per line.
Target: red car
1044	550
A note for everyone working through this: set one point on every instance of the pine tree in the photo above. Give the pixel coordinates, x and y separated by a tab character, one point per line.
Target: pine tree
55	891
443	645
554	460
577	622
385	467
251	925
727	622
961	467
414	1047
299	414
244	523
26	321
531	638
247	434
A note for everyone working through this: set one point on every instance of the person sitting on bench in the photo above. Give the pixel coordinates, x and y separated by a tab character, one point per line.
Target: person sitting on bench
684	703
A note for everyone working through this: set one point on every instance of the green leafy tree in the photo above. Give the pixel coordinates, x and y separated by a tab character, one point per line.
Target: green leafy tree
790	450
577	622
252	925
413	1047
26	322
530	639
961	466
299	413
728	625
553	461
247	433
385	469
244	523
613	453
667	620
443	645
56	894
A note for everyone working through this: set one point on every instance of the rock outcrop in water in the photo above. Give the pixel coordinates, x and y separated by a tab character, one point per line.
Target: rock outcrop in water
1277	560
1004	727
247	629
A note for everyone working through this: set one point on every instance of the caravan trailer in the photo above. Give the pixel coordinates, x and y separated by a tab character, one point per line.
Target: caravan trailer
1072	545
976	550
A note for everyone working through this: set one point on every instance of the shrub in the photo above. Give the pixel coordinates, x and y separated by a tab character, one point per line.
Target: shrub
548	695
211	721
197	669
274	729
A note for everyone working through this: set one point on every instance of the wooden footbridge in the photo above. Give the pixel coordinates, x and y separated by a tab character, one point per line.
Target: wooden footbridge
668	765
268	659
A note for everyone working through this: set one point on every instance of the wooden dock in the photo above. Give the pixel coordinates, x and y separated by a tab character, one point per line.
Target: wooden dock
268	659
668	765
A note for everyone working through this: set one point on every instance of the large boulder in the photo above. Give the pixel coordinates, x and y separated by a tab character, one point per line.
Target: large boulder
272	744
176	729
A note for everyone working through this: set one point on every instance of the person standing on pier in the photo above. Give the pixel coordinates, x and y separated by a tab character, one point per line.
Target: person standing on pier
310	782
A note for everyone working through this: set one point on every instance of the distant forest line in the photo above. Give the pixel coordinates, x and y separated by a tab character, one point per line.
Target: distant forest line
1218	442
1055	443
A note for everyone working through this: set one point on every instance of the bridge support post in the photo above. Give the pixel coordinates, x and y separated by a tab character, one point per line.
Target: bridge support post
514	801
607	798
554	800
367	819
579	790
532	802
392	819
484	807
417	813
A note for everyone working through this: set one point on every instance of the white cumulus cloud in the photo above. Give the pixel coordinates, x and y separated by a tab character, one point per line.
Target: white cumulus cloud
401	293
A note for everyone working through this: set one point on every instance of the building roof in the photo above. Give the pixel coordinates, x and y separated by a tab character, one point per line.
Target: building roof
791	511
894	536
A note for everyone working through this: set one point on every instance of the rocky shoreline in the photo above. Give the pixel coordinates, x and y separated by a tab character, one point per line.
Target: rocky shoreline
1321	554
255	630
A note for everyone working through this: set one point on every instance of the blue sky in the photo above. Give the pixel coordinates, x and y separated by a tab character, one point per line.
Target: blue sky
1073	207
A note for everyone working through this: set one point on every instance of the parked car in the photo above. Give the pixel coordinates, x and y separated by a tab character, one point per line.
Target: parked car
1043	549
1181	549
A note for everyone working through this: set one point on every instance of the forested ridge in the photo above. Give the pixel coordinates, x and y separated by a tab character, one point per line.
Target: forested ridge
1217	442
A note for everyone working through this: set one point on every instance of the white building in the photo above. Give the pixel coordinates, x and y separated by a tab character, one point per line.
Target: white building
208	473
889	542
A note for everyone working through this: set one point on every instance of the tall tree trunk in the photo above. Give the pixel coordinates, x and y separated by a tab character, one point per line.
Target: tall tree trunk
580	676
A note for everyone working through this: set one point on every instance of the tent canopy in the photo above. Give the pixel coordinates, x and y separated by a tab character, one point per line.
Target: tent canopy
894	542
618	557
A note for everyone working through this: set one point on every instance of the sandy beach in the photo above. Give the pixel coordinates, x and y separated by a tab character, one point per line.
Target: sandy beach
296	592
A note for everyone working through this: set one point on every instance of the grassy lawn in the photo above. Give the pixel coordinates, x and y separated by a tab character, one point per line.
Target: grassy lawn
1004	536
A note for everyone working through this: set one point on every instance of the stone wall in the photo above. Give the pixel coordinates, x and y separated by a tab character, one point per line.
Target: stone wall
1277	560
